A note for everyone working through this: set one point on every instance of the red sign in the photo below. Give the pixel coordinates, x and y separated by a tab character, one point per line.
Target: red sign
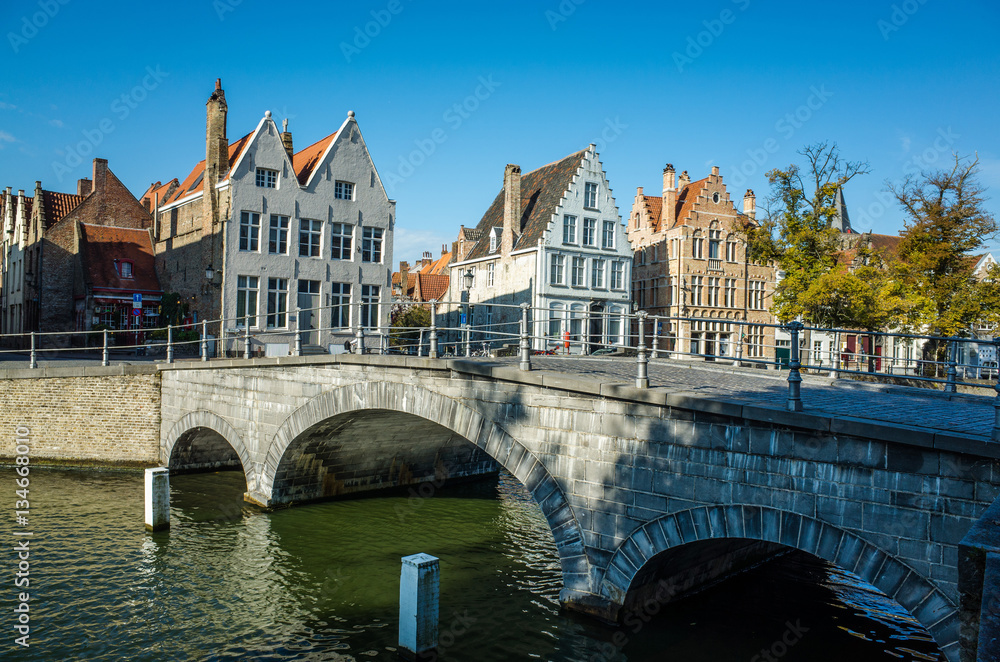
137	311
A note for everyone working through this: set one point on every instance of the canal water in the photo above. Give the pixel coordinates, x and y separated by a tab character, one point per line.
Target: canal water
321	582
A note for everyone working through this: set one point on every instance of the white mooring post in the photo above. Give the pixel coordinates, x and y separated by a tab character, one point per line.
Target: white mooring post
157	498
418	605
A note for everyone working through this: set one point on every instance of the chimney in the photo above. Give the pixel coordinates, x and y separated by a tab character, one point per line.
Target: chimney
715	171
684	180
100	175
84	186
404	278
669	205
216	152
286	138
22	218
511	207
750	204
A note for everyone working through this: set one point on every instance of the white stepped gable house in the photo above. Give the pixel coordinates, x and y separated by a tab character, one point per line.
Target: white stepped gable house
552	238
258	231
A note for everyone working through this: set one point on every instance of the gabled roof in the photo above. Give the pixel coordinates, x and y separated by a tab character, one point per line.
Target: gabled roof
422	287
436	267
58	205
101	245
686	198
157	189
654	209
192	182
306	160
541	192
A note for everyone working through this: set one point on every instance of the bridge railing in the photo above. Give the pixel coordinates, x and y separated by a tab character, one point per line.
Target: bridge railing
524	331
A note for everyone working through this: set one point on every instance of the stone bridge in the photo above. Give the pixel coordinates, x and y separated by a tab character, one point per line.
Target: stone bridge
683	482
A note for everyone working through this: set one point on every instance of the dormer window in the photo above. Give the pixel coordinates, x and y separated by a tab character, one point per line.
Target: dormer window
267	178
125	269
494	239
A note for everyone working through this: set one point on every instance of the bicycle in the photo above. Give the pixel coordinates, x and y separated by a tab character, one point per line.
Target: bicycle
484	352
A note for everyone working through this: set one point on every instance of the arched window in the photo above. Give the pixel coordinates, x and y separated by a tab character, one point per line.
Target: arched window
557	313
614	325
576	316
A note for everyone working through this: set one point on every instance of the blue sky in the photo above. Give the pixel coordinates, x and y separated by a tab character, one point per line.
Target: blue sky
448	93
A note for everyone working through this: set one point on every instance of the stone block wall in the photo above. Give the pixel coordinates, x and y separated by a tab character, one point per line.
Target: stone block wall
82	416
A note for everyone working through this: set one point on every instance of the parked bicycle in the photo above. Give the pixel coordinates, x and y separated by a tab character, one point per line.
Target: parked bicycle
483	352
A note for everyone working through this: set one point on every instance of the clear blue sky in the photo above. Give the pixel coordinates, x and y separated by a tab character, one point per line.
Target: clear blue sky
725	82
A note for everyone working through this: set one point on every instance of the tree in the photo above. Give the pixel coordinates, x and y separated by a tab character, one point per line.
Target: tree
797	233
407	323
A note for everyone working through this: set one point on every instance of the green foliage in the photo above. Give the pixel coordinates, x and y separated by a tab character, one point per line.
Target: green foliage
406	323
172	309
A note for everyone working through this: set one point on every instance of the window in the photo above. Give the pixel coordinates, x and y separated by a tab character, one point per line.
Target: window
715	197
730	250
494	240
697	247
371	245
246	300
309	236
714	240
340	305
730	301
608	238
817	352
556	314
577	271
343	191
267	178
755	341
126	269
589	230
755	297
569	229
249	231
597	273
576	316
656	254
277	241
614	325
557	271
369	305
697	285
617	275
277	303
491	274
340	240
487	319
714	285
590	195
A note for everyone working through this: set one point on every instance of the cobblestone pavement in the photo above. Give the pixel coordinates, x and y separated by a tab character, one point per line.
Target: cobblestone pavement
964	414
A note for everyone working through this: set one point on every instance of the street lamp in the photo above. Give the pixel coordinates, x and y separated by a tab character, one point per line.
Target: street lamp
209	273
468	277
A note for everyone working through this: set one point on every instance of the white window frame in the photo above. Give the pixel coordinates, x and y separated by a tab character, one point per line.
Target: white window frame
578	271
597	267
491	273
589	235
338	243
569	229
266	178
250	220
343	190
277	234
277	303
557	269
250	294
617	281
608	235
314	229
371	244
340	305
590	195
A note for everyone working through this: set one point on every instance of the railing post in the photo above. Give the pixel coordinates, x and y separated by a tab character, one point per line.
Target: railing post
34	353
246	337
836	355
104	355
297	351
204	340
655	353
468	340
359	340
737	344
996	400
950	386
433	339
794	377
525	342
170	343
642	361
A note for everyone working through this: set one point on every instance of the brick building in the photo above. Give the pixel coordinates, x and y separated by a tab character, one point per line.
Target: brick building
690	262
257	231
428	279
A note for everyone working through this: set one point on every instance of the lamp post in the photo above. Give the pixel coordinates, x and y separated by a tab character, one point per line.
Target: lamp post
467	279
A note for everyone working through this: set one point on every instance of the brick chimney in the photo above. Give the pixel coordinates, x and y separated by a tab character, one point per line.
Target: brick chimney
286	139
715	171
404	277
669	206
100	174
84	186
750	204
684	179
216	152
511	207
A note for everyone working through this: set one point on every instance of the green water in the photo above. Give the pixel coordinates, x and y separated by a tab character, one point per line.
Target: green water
321	581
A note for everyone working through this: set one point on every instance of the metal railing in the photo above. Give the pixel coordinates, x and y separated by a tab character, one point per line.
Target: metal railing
523	331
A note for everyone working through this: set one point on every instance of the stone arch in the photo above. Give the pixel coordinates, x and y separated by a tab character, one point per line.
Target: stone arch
205	420
914	592
460	419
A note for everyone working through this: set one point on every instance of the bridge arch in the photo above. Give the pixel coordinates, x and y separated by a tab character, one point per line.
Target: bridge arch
393	398
914	592
208	432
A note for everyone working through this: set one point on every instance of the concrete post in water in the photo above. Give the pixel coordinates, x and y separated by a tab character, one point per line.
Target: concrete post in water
104	355
794	377
642	361
950	386
246	337
170	343
433	352
525	363
157	498
204	340
418	605
34	353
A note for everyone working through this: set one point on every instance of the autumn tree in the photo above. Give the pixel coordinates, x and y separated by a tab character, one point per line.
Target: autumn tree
407	322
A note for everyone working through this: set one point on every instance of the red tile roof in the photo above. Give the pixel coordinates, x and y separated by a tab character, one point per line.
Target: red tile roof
686	199
57	205
158	189
654	209
436	267
102	245
432	286
192	182
306	160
